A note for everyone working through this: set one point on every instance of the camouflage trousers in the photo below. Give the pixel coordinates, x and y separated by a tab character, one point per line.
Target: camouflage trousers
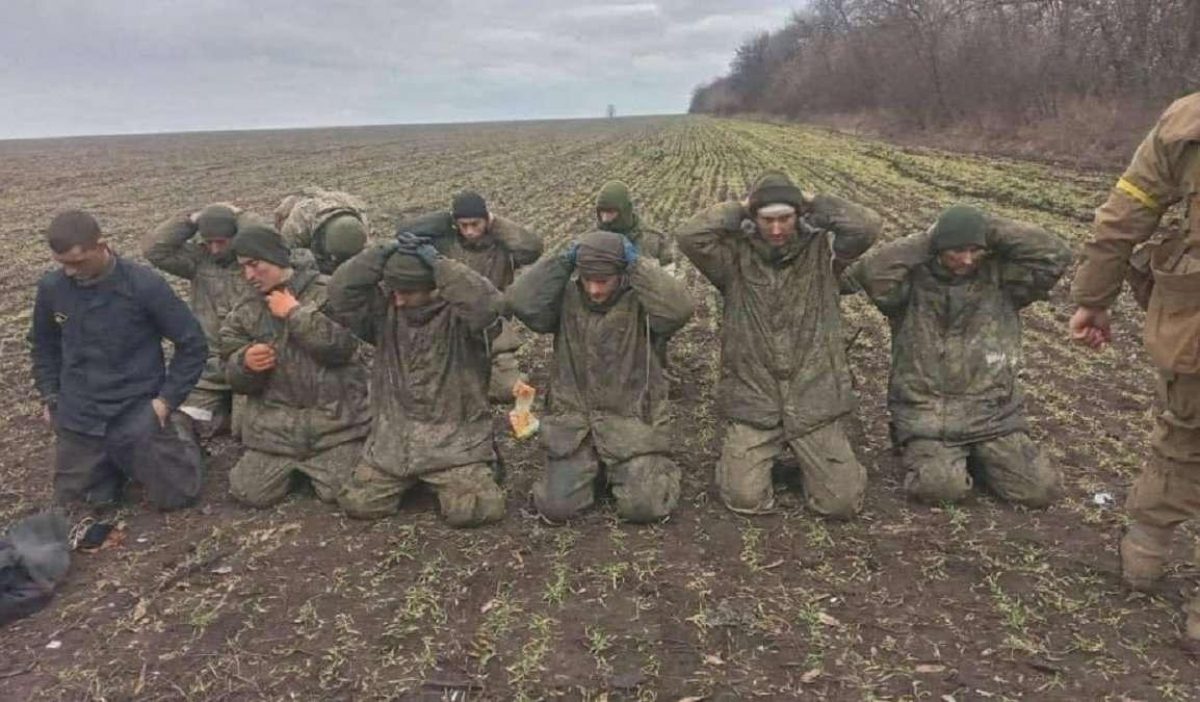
646	487
833	480
505	369
1010	466
262	479
1167	492
467	495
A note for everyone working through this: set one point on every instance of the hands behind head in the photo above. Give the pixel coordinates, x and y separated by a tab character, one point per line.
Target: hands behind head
631	251
571	254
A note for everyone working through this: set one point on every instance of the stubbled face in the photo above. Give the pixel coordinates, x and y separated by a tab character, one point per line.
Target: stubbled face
776	231
217	247
963	261
264	276
471	228
607	216
600	289
411	299
79	263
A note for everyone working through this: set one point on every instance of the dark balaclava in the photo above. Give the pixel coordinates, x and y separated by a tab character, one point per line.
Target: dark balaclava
260	241
958	227
615	196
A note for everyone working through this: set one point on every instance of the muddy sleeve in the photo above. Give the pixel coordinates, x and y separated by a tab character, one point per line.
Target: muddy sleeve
355	298
536	295
472	297
855	227
330	343
168	247
235	338
296	229
45	336
707	240
885	274
1031	258
524	245
1129	216
175	322
663	296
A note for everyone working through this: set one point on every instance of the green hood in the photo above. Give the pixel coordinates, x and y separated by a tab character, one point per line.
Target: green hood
615	196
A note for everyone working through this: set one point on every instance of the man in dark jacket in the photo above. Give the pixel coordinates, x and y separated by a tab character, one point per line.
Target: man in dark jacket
97	332
785	383
611	312
953	296
427	317
494	247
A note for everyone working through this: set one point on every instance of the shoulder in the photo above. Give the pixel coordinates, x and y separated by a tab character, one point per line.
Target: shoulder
141	278
1181	121
52	280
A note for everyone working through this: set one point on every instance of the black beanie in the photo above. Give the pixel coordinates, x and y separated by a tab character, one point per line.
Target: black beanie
259	241
469	205
216	222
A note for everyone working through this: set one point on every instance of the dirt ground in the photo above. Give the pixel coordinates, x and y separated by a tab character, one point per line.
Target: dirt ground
976	602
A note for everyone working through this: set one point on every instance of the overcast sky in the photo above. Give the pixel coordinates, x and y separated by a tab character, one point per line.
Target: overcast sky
125	66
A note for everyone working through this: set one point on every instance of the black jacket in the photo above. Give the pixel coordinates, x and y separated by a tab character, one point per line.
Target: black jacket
98	349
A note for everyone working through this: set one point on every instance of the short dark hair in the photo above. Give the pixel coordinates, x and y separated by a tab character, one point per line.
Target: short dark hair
72	228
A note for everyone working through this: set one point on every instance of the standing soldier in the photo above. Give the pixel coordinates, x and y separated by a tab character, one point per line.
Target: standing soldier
306	408
608	398
430	418
217	285
615	213
98	327
1165	170
953	296
332	225
494	247
784	377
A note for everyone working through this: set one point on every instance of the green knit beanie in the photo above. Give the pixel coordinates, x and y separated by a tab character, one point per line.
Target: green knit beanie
260	241
615	196
216	222
405	271
958	227
775	188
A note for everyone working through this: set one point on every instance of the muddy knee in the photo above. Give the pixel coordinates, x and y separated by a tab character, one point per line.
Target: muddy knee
476	507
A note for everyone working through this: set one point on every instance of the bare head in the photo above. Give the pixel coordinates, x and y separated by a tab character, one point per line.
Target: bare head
77	245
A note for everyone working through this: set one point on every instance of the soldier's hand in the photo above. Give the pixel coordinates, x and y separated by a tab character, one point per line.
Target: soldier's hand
408	242
282	303
428	253
48	415
630	251
571	254
259	358
161	410
1091	326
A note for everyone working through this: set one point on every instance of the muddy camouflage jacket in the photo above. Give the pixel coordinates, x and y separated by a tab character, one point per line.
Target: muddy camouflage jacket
1164	170
300	217
608	359
316	396
496	255
956	341
429	379
650	242
217	285
783	359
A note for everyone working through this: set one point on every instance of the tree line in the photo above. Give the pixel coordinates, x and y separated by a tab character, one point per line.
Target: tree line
933	62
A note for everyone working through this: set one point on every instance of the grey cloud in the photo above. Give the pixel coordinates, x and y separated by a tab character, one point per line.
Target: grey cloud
77	66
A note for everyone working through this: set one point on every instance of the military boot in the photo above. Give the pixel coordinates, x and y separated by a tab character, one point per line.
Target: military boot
1144	551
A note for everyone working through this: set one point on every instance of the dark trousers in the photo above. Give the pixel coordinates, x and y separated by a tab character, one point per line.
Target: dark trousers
94	469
